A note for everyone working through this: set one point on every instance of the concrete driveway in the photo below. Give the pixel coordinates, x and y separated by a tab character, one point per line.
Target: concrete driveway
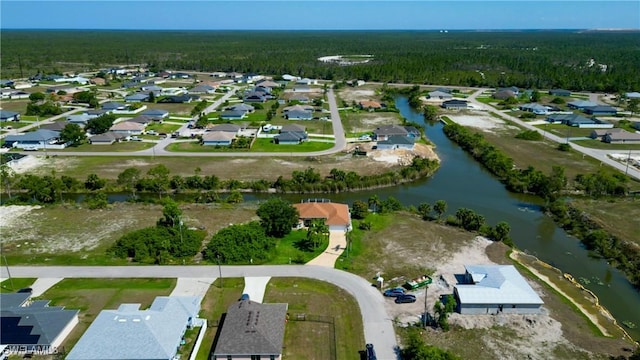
255	287
337	245
378	326
192	286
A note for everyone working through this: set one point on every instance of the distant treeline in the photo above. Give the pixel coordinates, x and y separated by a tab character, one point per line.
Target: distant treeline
575	61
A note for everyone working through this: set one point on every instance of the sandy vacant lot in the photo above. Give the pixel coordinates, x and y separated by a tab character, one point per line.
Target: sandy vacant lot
480	120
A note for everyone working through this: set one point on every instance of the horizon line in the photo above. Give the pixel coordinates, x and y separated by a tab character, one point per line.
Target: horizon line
276	30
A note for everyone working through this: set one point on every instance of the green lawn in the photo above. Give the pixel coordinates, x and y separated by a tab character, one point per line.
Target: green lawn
565	131
178	109
115	147
332	328
162	128
15	284
265	145
15	124
195	146
16	105
287	252
90	296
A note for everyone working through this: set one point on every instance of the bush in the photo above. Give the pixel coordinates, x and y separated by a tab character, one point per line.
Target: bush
240	244
529	135
564	147
527	115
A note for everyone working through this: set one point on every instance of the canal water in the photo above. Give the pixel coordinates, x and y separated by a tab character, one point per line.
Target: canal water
463	182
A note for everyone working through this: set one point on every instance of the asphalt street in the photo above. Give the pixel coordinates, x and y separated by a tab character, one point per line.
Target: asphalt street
378	326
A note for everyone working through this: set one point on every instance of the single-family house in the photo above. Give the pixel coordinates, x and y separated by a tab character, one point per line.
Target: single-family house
268	84
254	97
297	107
80	120
55	126
218	138
454	104
535	108
29	327
18	95
69	89
495	289
218	74
142	119
335	215
157	90
559	92
35	140
581	104
179	75
383	132
251	330
98	81
6	83
440	95
369	105
76	79
156	114
202	89
298	114
600	133
412	132
303	99
128	128
112	106
623	137
288	77
242	107
503	94
578	121
179	99
293	128
513	89
7	115
396	142
96	112
290	138
107	138
307	81
137	97
632	95
233	115
600	110
131	333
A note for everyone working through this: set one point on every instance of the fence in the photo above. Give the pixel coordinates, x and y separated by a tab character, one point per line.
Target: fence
330	320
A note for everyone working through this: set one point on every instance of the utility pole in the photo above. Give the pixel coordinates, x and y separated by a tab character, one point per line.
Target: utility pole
6	264
424	317
220	271
626	171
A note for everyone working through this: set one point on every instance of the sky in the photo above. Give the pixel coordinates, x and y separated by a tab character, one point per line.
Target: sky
319	14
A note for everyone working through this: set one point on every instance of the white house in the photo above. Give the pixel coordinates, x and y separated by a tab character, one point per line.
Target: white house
494	289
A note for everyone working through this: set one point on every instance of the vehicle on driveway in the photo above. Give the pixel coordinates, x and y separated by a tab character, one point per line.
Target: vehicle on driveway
395	292
244	297
406	298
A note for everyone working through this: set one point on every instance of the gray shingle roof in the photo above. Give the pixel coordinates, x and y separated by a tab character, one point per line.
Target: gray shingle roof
397	140
38	135
390	130
130	333
251	328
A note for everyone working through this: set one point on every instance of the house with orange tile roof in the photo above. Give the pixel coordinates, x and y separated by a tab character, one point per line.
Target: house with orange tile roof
369	105
336	216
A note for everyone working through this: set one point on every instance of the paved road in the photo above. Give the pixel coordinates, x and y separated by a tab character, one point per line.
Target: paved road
378	326
598	154
159	148
40	122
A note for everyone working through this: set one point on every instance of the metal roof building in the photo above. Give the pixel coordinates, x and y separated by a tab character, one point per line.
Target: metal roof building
131	333
493	289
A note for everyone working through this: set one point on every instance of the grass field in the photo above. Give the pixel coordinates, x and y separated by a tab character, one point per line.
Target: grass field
318	339
16	105
547	154
265	145
15	284
90	296
564	130
196	146
55	236
180	109
615	215
162	128
123	146
225	168
15	124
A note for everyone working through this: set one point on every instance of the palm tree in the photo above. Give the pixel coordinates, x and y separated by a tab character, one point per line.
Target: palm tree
374	202
317	231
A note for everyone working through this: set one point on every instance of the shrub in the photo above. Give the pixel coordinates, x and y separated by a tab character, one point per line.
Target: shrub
529	135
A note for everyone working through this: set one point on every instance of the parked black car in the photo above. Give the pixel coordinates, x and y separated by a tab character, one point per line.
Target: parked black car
407	298
371	354
395	292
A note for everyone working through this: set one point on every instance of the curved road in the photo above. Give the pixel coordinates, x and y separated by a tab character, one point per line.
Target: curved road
378	326
159	149
598	154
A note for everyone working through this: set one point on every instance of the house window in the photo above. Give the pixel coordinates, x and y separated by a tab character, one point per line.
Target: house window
255	357
272	357
229	357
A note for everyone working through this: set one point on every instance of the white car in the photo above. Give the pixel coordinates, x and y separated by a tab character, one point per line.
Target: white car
365	138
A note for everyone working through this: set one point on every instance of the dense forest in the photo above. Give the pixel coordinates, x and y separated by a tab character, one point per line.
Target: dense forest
596	61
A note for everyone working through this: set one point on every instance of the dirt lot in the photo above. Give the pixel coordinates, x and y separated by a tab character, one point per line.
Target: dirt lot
366	92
